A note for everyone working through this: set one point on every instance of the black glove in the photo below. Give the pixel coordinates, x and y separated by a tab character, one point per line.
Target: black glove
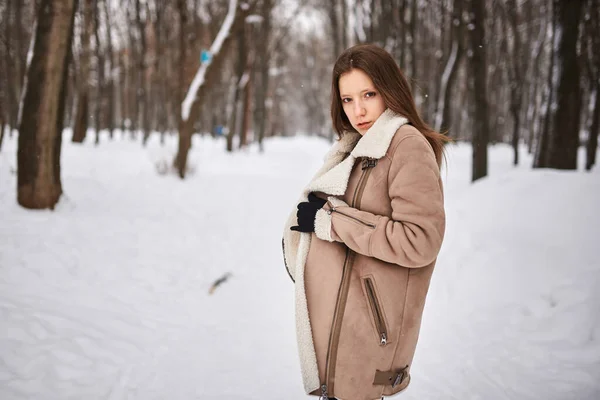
307	210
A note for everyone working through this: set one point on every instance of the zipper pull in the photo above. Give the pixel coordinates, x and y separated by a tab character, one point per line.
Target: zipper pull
369	163
383	339
324	395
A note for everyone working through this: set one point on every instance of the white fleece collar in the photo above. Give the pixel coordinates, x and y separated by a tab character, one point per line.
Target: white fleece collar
373	144
376	140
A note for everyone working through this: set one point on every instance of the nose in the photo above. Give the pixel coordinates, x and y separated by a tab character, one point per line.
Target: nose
359	109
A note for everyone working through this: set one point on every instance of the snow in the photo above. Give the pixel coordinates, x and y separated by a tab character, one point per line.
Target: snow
198	80
108	296
254	19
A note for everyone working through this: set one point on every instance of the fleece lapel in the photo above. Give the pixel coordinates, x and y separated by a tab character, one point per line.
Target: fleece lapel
374	144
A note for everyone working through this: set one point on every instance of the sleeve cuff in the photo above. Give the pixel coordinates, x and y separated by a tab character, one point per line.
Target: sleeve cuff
323	228
323	225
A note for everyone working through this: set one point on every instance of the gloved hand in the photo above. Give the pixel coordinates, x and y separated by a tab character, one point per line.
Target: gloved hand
306	213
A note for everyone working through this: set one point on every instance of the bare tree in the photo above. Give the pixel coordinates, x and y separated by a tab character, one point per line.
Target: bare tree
141	17
241	84
2	124
99	72
263	61
206	76
515	72
110	91
479	67
40	131
83	94
444	107
560	138
592	63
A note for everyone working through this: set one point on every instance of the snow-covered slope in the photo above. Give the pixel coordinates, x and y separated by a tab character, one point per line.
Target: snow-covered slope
108	296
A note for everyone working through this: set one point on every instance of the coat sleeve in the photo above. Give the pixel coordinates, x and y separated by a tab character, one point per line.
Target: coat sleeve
412	237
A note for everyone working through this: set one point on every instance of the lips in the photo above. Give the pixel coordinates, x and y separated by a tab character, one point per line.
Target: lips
364	125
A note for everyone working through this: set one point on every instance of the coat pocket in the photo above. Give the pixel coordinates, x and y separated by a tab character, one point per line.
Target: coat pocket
376	310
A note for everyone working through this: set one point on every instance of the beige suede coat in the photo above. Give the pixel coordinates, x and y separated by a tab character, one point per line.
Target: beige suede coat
361	279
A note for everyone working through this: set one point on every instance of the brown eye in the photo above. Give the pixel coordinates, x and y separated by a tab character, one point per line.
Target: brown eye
346	100
370	94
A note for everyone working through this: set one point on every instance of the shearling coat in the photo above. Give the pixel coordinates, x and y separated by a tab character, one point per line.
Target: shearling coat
361	279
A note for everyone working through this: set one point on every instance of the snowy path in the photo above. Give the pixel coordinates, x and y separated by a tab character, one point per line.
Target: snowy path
107	298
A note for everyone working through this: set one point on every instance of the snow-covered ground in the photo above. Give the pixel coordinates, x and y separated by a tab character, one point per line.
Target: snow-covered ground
108	296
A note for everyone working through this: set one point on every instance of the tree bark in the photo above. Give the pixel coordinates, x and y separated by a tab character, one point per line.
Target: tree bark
133	105
110	90
186	127
18	56
100	73
263	72
413	44
515	76
342	26
563	115
236	124
332	12
81	115
592	144
142	89
12	102
532	120
38	155
444	107
478	62
2	126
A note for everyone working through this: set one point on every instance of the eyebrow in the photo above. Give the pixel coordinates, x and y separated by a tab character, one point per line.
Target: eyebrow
361	92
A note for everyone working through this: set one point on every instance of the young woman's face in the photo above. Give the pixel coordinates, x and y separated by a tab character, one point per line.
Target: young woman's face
362	103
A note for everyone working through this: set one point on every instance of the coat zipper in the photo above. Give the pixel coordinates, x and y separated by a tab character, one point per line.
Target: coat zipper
332	210
340	305
377	311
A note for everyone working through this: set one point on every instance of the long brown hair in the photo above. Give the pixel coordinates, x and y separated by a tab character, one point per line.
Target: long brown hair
390	82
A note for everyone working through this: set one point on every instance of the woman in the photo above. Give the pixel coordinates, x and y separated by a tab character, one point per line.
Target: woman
362	243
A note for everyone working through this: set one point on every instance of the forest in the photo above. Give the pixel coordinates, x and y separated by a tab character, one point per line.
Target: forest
522	72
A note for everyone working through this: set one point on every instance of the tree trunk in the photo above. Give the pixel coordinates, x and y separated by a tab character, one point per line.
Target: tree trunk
246	109
38	155
11	89
236	124
2	126
185	129
100	73
399	12
534	83
563	115
342	26
515	76
332	12
413	44
133	105
478	64
591	43
263	70
142	89
186	126
110	91
444	108
18	56
99	106
592	144
81	115
515	136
